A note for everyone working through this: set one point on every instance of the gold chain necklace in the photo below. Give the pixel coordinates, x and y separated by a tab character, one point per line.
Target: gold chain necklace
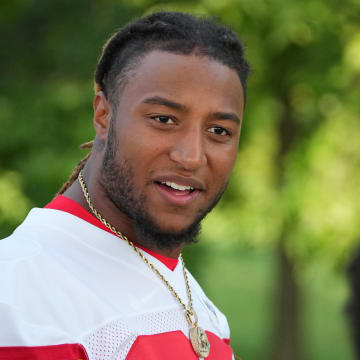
198	337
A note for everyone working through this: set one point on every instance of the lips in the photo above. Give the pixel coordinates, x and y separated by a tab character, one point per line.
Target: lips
181	181
178	190
175	186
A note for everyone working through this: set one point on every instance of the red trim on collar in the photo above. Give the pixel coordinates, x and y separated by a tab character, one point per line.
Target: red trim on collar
63	203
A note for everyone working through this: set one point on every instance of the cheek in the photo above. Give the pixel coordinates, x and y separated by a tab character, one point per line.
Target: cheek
222	164
140	147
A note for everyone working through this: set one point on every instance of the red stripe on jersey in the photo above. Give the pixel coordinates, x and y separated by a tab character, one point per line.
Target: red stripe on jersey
63	203
175	345
50	352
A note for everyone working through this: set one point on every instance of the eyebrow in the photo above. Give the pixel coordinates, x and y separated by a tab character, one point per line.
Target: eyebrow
158	100
226	116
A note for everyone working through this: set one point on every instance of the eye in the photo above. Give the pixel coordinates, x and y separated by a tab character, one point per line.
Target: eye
164	119
217	130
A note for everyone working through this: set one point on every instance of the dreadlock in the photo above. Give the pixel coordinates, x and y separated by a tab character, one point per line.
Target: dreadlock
78	167
173	32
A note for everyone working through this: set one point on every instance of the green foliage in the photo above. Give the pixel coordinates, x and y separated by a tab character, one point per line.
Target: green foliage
305	57
14	204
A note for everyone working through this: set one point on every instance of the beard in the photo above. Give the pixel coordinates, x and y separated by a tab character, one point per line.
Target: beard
116	180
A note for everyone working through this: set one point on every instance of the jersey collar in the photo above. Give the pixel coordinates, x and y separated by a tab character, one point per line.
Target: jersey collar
63	203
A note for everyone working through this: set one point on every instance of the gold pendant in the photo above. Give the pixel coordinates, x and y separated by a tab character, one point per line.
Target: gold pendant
199	341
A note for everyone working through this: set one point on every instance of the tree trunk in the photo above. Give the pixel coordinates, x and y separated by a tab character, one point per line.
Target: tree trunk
286	342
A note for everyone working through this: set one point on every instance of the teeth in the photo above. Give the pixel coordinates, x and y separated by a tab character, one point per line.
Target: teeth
177	186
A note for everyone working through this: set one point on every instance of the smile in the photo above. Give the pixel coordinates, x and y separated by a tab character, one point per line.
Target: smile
176	186
176	194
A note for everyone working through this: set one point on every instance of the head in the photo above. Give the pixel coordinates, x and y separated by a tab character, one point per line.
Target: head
173	32
168	110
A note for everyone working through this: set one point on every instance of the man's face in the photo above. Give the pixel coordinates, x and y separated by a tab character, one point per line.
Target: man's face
173	141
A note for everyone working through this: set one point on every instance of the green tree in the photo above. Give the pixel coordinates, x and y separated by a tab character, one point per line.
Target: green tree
299	163
295	187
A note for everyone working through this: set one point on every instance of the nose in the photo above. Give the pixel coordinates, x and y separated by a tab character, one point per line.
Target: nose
188	150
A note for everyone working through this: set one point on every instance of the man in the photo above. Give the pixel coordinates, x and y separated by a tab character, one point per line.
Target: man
98	273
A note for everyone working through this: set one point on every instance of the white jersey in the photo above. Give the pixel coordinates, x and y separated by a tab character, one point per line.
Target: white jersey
70	290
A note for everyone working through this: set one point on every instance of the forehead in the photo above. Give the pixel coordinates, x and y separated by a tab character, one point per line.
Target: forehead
189	78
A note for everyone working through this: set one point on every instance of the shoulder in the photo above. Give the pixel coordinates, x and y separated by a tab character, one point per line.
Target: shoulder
17	252
18	246
60	273
21	253
21	275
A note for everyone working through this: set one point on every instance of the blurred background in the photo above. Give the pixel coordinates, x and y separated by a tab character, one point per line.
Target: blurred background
273	255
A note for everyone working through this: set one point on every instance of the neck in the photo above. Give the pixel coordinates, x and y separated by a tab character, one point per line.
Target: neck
113	215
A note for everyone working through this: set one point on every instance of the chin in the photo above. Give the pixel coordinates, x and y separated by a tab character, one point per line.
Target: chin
174	227
163	234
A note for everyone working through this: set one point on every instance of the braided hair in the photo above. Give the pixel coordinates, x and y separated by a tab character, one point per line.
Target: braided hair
173	32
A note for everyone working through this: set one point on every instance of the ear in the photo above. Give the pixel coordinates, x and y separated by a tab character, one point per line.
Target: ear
102	112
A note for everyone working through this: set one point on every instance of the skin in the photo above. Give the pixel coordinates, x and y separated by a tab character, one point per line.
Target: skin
178	117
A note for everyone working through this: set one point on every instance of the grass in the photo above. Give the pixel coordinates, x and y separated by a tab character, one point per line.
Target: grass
242	284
